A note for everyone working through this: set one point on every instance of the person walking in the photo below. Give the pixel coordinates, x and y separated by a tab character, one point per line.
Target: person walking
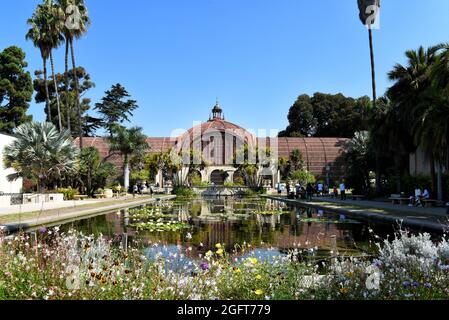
343	191
135	190
309	192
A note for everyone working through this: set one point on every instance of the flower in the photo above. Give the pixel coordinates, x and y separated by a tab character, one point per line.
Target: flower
258	292
189	236
428	285
204	266
42	230
220	252
416	284
344	290
406	283
259	277
218	246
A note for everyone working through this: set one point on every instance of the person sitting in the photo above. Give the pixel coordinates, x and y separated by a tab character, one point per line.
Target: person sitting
418	197
426	194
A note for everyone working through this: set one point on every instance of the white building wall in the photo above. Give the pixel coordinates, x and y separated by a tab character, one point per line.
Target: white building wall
5	186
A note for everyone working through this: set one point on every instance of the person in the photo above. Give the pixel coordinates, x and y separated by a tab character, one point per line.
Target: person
135	190
279	189
426	194
288	189
335	192
309	192
298	190
320	189
343	191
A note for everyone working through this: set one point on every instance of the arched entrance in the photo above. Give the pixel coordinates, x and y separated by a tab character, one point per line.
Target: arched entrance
195	178
218	177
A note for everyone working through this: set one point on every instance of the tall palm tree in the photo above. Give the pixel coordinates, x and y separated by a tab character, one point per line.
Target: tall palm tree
39	35
45	32
41	152
76	24
128	142
367	19
412	81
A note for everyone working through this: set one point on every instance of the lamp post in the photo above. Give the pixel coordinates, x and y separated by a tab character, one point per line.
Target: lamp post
328	170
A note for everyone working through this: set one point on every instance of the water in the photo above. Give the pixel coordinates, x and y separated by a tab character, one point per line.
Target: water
269	227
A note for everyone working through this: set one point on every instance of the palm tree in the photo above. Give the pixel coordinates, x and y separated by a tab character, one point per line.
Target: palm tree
127	142
412	81
41	152
367	19
45	32
76	24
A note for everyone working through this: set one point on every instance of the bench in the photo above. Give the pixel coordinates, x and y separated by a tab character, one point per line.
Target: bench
400	200
80	197
429	203
356	197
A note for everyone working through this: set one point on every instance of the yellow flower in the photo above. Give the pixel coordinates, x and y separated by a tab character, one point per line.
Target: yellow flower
349	274
344	290
237	270
253	260
259	277
209	253
220	252
258	292
218	246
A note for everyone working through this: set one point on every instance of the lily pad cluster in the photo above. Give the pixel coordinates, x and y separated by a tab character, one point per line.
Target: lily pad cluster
161	225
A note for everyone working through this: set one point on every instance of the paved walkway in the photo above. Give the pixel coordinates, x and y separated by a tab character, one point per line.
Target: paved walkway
56	216
434	219
35	207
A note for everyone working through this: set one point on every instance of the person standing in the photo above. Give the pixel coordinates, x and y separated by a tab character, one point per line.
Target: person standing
320	189
343	191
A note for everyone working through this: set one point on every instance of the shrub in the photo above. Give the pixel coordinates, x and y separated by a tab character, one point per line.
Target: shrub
184	192
69	193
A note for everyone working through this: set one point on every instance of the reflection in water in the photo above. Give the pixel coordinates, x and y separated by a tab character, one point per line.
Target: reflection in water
234	222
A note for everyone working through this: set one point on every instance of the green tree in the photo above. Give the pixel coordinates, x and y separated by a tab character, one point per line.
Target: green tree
93	172
43	153
115	107
326	115
128	142
16	89
45	33
76	24
409	95
68	96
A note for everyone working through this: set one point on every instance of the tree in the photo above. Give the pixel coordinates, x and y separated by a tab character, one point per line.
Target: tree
93	172
77	22
68	96
368	11
41	152
115	108
128	142
45	32
303	177
16	89
326	115
412	82
359	162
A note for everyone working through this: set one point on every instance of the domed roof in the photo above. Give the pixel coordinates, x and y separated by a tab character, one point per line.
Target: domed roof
216	124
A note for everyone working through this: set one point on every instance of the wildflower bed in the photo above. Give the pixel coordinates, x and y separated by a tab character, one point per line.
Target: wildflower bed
74	266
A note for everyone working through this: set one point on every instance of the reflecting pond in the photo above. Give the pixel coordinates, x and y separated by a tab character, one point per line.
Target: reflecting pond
192	228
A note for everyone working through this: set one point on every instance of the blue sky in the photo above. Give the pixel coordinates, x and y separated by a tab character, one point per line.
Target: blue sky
176	56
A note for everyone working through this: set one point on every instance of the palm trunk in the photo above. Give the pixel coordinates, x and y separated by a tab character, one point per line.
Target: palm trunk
373	81
67	105
47	95
126	173
77	94
56	90
433	174
440	181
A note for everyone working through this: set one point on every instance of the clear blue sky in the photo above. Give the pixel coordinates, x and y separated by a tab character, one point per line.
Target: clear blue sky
176	56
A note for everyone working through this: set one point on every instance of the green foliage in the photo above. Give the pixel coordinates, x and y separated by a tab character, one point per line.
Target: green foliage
41	152
93	172
115	107
68	95
69	193
16	89
184	192
326	115
304	177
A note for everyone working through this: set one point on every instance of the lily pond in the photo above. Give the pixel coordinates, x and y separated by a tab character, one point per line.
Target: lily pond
187	230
